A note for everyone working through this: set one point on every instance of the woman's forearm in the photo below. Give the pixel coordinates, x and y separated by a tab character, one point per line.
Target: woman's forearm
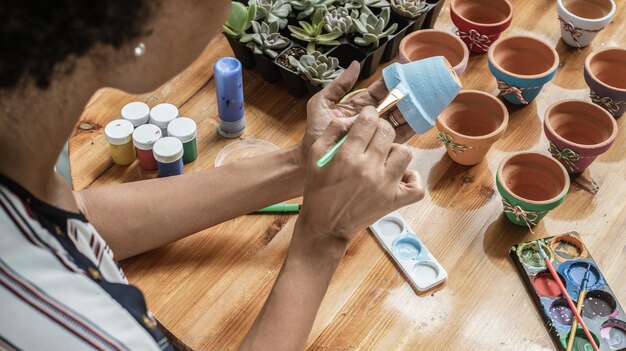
139	216
289	312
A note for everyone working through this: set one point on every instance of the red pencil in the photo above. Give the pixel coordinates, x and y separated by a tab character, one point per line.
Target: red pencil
566	296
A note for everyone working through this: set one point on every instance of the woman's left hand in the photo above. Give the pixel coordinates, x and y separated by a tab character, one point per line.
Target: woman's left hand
325	106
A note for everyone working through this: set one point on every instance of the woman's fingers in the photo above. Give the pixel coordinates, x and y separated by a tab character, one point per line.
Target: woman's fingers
382	140
362	131
398	160
378	90
341	85
411	189
336	129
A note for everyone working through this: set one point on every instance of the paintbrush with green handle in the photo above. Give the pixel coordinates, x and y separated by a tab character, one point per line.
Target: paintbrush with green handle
393	98
579	307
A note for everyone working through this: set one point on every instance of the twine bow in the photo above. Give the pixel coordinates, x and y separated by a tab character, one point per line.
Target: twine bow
448	142
607	102
481	41
506	89
529	217
567	156
574	31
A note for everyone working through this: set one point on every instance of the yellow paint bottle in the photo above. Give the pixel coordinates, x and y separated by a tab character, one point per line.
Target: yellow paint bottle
119	136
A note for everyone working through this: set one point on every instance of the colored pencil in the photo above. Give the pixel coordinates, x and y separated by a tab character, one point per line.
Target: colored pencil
566	296
579	308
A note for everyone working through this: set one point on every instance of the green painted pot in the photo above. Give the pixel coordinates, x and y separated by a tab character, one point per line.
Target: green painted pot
531	185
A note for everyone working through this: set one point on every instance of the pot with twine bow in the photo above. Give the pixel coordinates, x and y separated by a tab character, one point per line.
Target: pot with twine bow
578	132
581	20
605	74
521	66
470	125
480	22
531	185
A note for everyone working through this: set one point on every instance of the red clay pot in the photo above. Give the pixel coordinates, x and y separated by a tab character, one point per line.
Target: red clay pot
480	22
431	42
470	125
578	132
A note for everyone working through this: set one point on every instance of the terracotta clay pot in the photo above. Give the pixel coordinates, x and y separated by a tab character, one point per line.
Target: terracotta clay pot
605	74
480	22
470	125
531	185
581	20
578	132
431	42
521	66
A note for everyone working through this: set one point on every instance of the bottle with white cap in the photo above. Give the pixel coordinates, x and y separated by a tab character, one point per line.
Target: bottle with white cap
185	130
162	114
118	134
144	138
136	113
168	153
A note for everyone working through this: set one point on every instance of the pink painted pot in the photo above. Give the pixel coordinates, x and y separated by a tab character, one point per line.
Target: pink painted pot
578	132
431	42
605	74
480	22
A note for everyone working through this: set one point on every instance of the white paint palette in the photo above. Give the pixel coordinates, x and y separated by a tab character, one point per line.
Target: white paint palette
404	246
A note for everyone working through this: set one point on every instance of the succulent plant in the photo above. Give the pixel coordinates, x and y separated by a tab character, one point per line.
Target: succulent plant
358	4
340	19
318	68
409	8
272	11
266	39
308	7
312	34
372	27
239	21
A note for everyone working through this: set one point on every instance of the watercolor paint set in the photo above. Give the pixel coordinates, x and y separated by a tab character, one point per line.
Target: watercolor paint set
582	279
408	252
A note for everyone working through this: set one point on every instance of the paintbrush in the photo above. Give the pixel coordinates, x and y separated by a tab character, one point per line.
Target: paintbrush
579	307
566	296
392	99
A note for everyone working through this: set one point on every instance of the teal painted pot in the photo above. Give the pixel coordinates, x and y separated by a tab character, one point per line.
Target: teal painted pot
521	66
430	86
531	185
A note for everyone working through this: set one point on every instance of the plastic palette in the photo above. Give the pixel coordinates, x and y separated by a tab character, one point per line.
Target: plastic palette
401	243
601	311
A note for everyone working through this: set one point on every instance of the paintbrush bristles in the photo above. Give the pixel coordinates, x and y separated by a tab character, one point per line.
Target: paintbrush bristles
391	100
541	252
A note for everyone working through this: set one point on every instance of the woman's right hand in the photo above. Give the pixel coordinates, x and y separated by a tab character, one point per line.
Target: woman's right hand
367	178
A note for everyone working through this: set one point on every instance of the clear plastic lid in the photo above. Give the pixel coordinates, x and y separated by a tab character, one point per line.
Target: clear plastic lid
244	148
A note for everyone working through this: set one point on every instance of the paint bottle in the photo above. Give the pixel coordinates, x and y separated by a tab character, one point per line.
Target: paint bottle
144	138
162	114
119	136
184	129
136	113
168	153
229	90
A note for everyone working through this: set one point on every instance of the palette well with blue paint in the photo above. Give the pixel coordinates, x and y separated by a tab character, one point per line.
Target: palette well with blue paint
601	312
408	252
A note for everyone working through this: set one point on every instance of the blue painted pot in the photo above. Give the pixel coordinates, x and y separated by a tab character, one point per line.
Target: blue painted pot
432	85
521	66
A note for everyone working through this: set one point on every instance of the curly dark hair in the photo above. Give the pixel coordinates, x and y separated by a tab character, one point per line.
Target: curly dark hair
36	35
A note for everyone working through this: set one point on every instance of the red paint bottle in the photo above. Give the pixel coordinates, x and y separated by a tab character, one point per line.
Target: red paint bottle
144	138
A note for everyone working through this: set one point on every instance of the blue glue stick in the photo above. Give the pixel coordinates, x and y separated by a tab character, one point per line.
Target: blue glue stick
229	90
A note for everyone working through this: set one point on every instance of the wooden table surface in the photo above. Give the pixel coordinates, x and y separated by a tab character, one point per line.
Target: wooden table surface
208	288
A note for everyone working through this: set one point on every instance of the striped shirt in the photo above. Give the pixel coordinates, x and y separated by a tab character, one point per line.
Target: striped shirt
60	287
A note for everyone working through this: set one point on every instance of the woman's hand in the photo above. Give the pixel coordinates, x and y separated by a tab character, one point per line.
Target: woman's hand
325	106
367	178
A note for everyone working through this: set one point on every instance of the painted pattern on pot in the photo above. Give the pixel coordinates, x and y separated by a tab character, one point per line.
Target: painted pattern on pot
480	22
470	125
430	42
578	132
521	66
605	74
581	20
531	185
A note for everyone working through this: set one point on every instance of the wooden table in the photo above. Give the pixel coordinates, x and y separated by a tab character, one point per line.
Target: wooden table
208	288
